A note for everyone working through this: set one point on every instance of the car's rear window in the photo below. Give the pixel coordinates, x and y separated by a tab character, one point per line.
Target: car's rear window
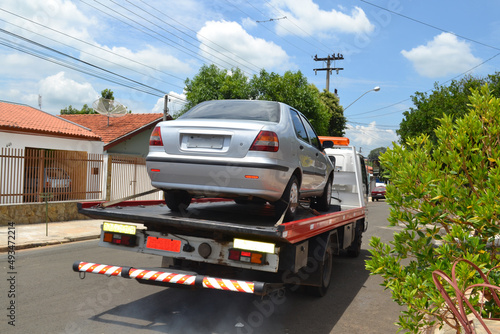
266	111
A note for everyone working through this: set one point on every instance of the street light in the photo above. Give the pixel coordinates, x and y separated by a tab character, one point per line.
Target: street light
375	89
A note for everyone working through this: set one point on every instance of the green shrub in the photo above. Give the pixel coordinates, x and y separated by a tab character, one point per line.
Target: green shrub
446	199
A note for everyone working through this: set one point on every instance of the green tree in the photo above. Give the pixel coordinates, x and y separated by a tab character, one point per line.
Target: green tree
449	100
337	123
444	197
376	152
107	94
212	83
70	110
294	90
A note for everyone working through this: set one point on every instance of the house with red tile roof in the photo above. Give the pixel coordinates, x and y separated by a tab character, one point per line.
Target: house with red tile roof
127	134
23	126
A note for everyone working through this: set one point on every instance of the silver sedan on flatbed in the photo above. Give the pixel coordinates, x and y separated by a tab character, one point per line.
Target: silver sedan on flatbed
246	150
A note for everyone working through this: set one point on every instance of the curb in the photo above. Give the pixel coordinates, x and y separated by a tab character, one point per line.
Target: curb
66	240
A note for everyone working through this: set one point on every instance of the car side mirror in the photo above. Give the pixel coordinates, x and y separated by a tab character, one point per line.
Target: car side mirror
327	144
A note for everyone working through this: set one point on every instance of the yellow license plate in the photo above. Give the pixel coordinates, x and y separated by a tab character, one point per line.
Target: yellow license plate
119	228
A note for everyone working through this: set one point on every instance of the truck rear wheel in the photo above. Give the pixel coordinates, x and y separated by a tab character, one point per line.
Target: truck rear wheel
355	248
177	200
326	270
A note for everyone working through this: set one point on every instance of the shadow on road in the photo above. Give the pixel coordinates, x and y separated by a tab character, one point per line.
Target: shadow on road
208	311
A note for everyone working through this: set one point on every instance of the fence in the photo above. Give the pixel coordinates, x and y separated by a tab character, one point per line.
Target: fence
129	177
35	175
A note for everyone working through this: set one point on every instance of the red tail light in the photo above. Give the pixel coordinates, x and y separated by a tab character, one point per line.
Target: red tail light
155	139
266	141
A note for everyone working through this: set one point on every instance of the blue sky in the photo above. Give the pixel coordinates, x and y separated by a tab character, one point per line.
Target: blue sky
401	46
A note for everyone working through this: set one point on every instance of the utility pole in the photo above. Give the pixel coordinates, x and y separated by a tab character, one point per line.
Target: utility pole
329	69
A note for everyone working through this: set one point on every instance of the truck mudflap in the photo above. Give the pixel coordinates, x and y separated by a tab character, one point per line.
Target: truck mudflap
200	281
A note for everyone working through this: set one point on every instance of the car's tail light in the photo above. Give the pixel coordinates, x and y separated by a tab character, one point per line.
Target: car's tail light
266	141
155	139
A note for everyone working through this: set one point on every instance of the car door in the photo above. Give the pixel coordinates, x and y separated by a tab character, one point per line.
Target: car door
305	152
319	167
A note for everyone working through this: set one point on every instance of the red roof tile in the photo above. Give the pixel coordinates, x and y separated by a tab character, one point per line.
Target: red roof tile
118	126
17	117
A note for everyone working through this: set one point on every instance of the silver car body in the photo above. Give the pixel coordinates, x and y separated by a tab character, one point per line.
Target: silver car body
212	156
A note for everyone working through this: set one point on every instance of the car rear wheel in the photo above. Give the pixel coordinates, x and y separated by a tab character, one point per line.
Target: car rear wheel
289	201
177	200
323	203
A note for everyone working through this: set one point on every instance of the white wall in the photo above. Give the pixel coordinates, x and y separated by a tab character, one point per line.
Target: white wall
18	140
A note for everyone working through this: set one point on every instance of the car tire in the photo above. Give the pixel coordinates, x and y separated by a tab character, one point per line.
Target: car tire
177	200
289	201
322	203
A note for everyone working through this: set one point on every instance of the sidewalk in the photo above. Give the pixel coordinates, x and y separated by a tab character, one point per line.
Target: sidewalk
35	235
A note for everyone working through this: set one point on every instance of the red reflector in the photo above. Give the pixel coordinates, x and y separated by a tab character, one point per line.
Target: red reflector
251	177
266	141
170	245
155	139
234	255
155	170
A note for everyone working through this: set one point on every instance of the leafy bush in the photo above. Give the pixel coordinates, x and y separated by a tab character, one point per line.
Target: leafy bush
446	199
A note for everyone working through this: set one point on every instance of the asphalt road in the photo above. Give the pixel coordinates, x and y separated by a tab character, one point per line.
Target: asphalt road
51	298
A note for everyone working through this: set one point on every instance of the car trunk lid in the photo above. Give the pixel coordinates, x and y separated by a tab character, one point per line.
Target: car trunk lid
209	137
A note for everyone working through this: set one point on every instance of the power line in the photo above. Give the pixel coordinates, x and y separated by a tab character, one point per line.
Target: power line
89	44
291	21
91	54
66	64
185	41
76	59
272	32
180	23
429	25
179	47
455	77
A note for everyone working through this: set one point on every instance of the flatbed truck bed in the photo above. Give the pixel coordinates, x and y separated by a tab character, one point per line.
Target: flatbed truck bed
220	244
219	216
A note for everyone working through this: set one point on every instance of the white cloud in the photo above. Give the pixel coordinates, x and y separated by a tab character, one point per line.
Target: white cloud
60	15
444	55
156	59
312	20
370	137
233	44
248	23
59	91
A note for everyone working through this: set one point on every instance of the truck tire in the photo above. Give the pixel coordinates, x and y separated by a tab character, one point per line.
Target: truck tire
355	248
326	270
322	203
177	200
289	201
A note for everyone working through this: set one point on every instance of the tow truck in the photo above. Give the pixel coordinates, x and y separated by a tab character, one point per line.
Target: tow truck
223	245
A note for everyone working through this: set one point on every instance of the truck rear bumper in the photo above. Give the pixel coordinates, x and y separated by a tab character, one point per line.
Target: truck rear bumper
171	277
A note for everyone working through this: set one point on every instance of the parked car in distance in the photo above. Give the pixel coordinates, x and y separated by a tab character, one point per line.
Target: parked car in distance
56	183
246	150
378	193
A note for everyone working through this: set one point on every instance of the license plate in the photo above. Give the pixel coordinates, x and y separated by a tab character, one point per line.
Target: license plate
119	228
199	141
170	245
